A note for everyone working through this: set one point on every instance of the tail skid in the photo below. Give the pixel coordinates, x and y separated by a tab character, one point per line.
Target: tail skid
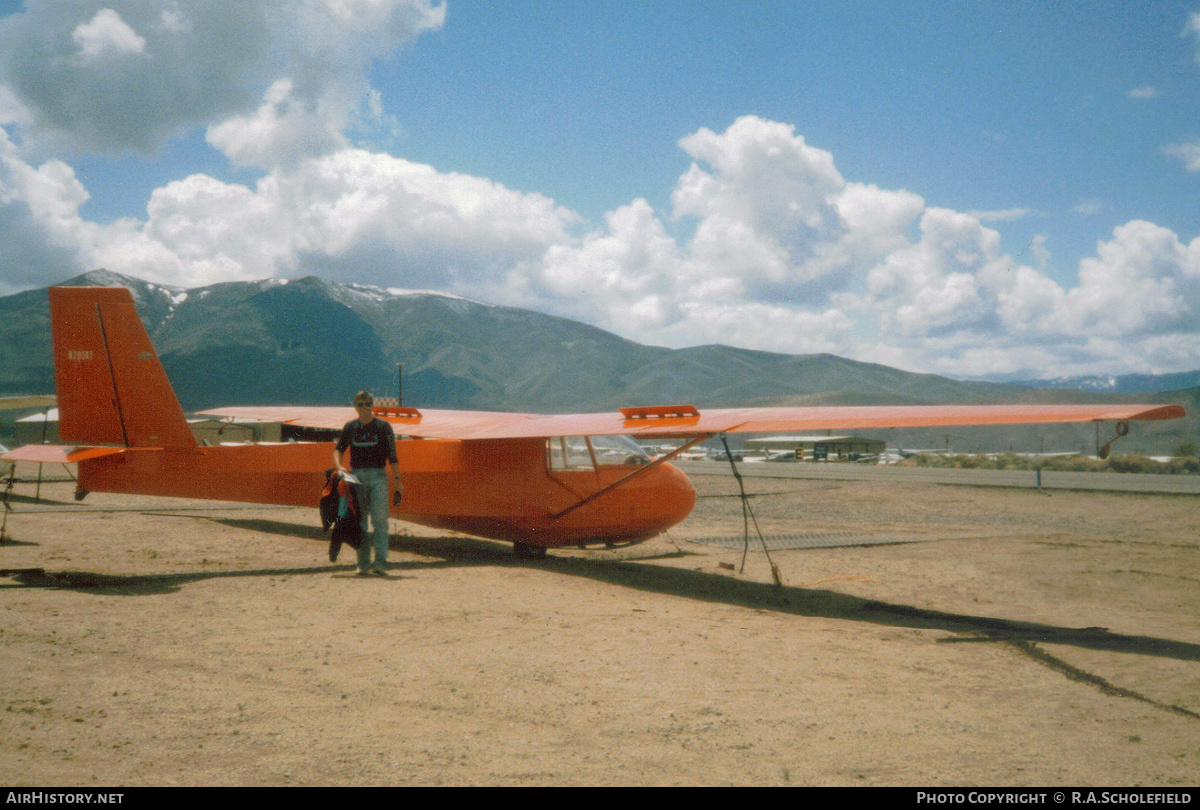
112	389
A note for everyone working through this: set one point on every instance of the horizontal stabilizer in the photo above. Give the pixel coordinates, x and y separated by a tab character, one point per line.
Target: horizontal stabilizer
57	453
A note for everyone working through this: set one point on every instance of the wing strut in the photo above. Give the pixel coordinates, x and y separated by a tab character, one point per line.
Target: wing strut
626	478
747	517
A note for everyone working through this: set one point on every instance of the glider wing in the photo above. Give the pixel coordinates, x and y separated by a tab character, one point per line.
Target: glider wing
686	421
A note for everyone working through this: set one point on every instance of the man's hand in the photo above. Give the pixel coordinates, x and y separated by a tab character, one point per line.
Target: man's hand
396	496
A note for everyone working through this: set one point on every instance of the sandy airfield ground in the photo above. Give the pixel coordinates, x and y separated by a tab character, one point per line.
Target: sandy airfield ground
1034	640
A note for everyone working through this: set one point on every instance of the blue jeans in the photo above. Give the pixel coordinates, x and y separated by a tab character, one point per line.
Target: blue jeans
373	493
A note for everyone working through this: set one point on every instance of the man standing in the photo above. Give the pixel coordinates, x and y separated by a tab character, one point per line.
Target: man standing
372	446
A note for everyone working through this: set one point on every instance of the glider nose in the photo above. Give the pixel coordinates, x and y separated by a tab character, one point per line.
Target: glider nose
675	500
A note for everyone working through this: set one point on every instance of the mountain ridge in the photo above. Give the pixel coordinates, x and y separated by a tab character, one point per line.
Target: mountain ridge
315	342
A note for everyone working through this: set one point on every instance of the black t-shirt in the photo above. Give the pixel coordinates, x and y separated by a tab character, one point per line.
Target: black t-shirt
373	444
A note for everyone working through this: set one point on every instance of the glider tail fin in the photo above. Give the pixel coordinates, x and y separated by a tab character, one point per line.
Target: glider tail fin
112	389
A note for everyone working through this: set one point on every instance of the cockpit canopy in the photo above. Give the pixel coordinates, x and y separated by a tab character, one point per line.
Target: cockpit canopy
590	452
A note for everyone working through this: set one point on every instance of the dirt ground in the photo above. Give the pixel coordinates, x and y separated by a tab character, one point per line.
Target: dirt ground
1029	639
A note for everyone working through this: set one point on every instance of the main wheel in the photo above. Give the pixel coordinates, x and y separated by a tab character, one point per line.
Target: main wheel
526	551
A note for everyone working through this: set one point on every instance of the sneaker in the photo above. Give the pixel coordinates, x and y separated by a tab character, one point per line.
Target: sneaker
363	572
379	572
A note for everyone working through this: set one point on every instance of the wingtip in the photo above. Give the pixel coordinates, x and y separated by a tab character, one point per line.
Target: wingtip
1167	412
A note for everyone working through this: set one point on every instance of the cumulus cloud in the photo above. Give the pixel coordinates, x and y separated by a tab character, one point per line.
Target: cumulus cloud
902	282
107	34
764	199
125	75
284	129
1188	152
814	264
120	75
633	267
326	48
350	215
33	204
1141	282
771	327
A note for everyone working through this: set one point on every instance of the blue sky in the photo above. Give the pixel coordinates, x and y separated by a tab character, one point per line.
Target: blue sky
961	188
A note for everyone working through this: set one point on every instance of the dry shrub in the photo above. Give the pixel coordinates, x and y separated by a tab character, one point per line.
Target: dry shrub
1131	463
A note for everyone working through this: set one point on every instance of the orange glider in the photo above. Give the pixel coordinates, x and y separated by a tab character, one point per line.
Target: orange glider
538	481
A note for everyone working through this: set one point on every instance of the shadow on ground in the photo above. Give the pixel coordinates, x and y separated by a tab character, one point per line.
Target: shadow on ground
635	573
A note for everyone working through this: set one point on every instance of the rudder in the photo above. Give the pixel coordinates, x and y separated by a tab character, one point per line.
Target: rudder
112	389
